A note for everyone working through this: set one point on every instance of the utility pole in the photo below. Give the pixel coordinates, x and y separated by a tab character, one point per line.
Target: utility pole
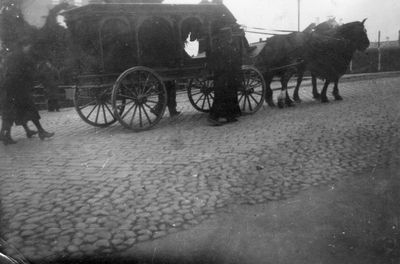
379	52
298	15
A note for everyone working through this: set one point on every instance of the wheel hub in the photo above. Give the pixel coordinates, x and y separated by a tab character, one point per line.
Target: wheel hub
102	99
141	99
249	91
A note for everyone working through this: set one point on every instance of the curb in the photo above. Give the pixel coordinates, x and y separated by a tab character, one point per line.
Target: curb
351	77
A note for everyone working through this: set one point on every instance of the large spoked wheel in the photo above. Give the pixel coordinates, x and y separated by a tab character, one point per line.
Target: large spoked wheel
251	93
201	94
144	98
93	104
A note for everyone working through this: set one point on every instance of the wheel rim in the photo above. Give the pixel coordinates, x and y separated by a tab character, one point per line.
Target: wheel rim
142	95
93	105
201	94
252	90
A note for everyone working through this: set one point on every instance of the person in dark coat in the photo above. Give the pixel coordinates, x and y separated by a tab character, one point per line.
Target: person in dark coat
49	77
225	60
19	107
170	87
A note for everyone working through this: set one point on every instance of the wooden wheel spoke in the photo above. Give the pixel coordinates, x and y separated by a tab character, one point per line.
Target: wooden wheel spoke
148	92
109	110
241	97
141	86
97	115
154	94
127	112
131	90
208	101
104	113
199	99
140	117
244	103
151	101
94	107
105	92
85	97
133	116
147	79
245	80
147	116
199	92
142	83
128	97
86	105
254	99
204	102
151	109
252	86
248	100
128	103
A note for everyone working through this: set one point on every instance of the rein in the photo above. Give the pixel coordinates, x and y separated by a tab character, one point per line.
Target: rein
330	37
287	66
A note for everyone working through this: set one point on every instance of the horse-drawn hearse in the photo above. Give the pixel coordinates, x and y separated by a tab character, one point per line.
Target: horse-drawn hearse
129	51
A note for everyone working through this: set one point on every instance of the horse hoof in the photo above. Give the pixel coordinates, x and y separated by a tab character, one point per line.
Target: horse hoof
290	104
270	103
297	99
324	100
338	98
281	105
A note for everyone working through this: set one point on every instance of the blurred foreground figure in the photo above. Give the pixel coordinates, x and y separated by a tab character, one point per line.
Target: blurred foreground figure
18	106
49	77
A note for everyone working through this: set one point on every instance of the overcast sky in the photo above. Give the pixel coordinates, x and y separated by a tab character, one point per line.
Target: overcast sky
382	15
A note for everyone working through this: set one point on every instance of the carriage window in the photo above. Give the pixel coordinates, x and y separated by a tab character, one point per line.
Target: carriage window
192	37
157	43
117	44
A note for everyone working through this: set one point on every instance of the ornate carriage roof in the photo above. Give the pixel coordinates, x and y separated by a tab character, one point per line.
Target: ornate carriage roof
147	9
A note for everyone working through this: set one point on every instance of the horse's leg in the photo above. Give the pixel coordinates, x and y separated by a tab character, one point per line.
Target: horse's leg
284	80
316	95
300	72
324	98
288	101
268	91
335	92
282	98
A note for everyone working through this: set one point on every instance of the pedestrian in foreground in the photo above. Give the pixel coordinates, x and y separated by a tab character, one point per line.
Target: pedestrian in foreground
19	107
49	77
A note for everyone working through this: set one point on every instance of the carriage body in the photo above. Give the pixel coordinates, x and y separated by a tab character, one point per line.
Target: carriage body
117	43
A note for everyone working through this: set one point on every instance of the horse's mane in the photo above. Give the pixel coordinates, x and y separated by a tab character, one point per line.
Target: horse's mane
348	28
326	26
343	31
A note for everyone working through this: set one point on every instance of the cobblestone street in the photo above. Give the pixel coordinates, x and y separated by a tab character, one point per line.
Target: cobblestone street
91	190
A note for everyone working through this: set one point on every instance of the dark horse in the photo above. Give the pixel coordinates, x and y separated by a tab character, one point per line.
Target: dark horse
328	55
281	56
322	28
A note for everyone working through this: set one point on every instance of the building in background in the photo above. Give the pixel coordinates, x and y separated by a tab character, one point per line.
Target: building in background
36	11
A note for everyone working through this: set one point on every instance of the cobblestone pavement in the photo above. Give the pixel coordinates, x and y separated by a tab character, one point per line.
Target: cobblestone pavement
91	190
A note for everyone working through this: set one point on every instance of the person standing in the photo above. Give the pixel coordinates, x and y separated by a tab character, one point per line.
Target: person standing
19	106
225	61
170	87
49	77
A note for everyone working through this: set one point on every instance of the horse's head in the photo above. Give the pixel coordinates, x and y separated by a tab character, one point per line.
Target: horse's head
356	33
